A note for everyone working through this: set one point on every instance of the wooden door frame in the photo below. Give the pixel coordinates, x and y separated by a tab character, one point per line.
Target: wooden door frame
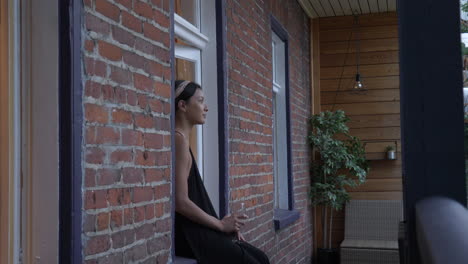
40	140
70	122
9	136
4	135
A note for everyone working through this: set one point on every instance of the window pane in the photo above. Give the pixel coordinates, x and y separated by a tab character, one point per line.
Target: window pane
279	122
278	60
273	51
275	154
185	70
281	153
189	10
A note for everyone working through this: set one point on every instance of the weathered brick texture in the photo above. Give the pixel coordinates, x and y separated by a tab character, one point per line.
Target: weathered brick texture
250	121
127	141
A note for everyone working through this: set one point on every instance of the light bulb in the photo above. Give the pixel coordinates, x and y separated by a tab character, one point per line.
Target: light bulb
357	84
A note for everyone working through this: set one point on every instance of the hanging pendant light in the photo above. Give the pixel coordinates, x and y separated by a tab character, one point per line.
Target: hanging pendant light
358	85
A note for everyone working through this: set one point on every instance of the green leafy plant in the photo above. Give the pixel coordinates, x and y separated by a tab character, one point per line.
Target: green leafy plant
341	164
463	23
464	49
389	148
464	7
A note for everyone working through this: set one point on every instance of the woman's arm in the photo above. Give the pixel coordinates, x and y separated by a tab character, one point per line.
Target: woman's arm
184	205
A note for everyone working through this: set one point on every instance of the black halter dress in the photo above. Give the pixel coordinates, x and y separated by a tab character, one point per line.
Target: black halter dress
206	245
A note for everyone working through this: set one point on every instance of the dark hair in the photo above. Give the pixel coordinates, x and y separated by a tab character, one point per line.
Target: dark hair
188	92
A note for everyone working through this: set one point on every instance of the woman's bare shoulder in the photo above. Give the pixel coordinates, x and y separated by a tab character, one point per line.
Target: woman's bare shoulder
182	150
180	142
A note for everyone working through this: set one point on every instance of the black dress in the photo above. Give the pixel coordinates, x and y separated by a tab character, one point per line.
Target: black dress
206	245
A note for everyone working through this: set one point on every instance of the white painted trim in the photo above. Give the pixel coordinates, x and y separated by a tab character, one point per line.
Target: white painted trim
276	87
25	123
187	53
40	150
189	33
278	62
198	13
210	86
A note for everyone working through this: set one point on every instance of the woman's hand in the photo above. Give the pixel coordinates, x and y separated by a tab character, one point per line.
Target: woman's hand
232	223
239	236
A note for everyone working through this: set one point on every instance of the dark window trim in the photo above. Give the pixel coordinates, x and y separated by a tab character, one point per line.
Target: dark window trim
172	43
70	127
283	218
223	126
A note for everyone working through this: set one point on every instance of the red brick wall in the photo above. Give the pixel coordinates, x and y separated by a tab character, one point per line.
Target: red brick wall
127	151
127	141
250	112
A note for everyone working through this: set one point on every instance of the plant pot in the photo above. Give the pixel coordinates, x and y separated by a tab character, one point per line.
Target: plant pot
391	155
328	256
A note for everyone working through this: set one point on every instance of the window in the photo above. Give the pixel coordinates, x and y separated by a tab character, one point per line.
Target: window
284	204
280	148
195	52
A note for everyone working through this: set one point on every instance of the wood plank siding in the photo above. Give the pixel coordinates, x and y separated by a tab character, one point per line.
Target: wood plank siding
375	115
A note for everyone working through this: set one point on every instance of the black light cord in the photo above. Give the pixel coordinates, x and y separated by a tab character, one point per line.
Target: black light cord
358	43
344	62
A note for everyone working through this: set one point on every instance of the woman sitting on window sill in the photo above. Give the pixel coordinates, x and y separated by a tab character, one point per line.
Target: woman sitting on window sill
199	233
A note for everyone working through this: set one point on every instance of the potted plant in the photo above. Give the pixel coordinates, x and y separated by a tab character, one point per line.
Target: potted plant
340	163
390	150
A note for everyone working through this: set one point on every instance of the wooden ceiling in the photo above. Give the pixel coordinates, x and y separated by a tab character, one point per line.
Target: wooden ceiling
330	8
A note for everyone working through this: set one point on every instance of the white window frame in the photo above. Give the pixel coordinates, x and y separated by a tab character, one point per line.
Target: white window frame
280	146
202	37
188	32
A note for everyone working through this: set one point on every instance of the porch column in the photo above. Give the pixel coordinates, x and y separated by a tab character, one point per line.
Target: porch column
431	106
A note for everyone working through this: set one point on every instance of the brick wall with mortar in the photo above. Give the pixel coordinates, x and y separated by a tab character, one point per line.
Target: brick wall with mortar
250	121
126	80
126	131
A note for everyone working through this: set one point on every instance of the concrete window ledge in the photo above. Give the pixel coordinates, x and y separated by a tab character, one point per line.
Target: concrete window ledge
181	260
283	218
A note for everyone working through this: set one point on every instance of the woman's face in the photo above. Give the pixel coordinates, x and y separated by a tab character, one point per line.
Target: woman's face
197	108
